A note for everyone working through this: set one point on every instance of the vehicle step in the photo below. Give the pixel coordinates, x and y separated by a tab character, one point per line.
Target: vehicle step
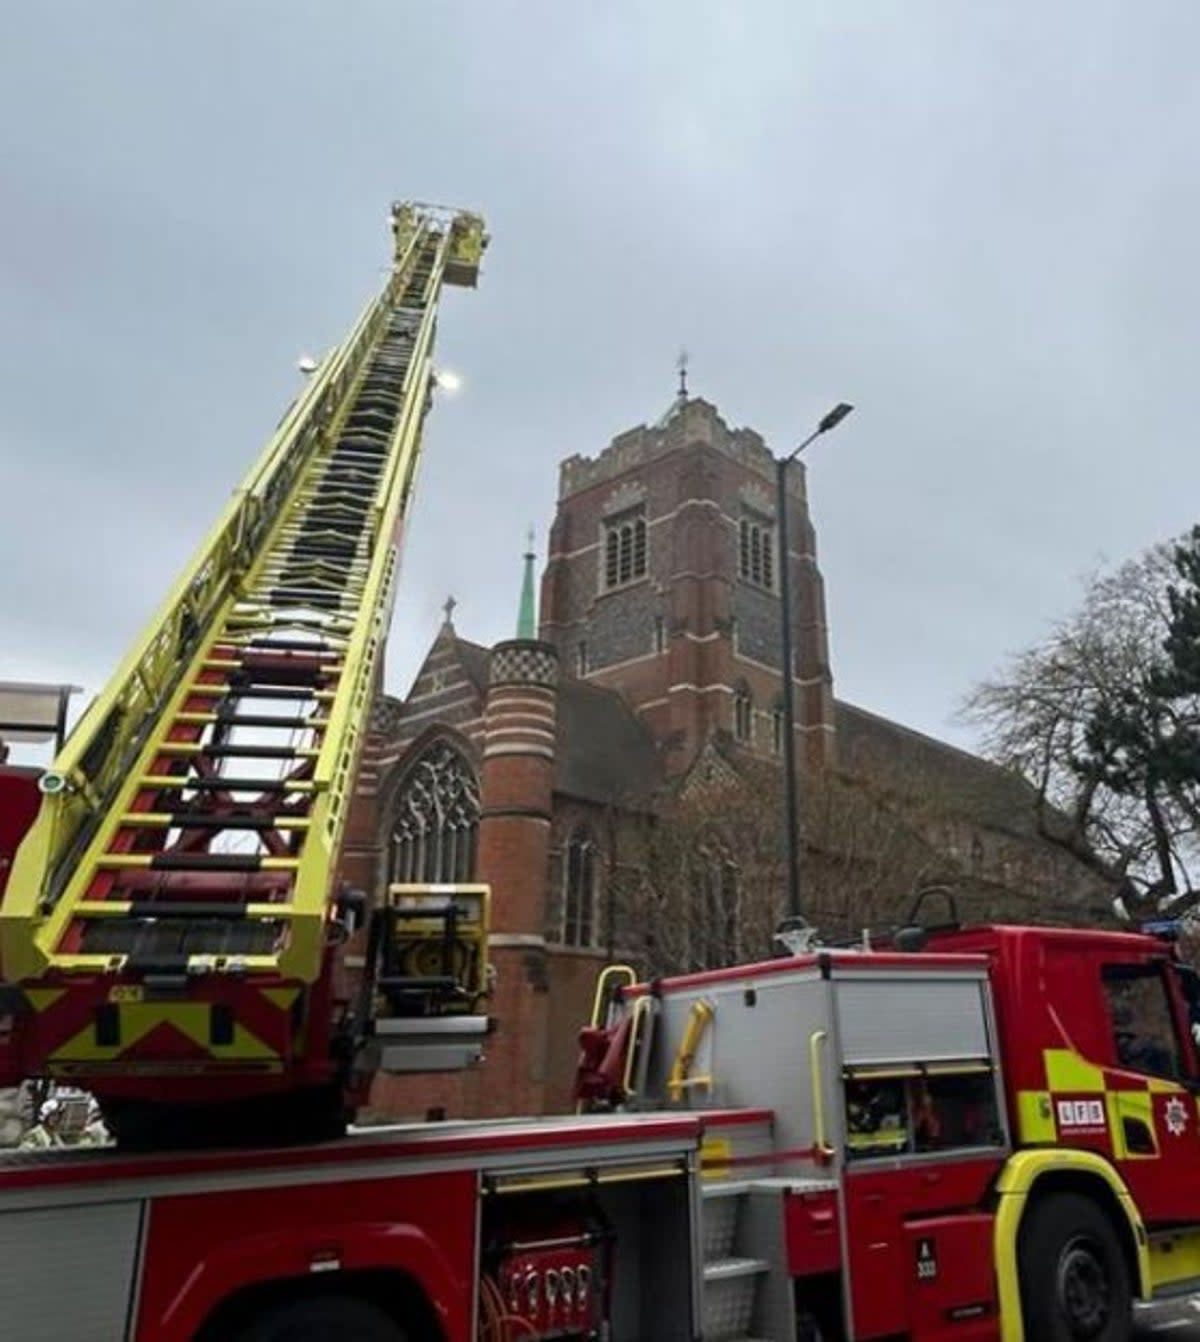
725	1268
731	1189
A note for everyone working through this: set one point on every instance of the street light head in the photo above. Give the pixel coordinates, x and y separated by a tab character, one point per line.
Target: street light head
834	417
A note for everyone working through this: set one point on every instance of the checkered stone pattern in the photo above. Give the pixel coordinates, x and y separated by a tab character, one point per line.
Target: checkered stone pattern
524	662
385	716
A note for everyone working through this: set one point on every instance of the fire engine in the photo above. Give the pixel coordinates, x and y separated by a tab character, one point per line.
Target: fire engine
967	1134
953	1134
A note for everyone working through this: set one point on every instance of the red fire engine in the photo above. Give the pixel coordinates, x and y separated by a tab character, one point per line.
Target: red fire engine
962	1134
986	1133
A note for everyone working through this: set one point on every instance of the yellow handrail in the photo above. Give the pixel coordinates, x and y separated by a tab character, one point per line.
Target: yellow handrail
624	972
820	1137
677	1082
641	1007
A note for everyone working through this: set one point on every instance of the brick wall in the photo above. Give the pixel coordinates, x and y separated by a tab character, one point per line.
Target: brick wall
694	477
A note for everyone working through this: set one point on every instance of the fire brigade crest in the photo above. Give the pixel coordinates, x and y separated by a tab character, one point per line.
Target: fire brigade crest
1175	1114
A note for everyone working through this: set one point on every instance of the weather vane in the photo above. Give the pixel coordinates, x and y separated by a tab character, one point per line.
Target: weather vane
682	365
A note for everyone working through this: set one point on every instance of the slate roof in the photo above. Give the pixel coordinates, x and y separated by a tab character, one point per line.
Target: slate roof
952	779
603	752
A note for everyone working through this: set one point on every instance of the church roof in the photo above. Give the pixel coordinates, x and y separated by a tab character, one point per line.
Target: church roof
603	752
950	779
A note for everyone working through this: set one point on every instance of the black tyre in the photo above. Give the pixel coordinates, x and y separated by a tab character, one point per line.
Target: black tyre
329	1318
1074	1278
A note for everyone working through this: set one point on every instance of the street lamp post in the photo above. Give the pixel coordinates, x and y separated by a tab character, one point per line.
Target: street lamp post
791	825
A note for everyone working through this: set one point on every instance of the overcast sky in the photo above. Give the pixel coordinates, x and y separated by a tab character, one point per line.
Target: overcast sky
977	222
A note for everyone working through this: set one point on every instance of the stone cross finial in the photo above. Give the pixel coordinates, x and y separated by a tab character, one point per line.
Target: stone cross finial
449	608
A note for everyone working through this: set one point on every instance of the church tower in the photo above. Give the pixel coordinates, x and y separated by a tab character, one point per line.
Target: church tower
662	582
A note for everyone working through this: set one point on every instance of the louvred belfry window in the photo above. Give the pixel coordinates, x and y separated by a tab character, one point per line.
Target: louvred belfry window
625	548
756	550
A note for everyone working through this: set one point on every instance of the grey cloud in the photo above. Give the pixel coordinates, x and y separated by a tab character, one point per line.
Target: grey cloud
975	222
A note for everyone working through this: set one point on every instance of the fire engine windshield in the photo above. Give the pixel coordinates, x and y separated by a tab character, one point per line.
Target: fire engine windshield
1144	1035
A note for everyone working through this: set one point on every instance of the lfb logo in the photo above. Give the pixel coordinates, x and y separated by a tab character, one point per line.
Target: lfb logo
1081	1115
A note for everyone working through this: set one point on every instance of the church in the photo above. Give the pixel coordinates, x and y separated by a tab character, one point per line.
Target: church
613	772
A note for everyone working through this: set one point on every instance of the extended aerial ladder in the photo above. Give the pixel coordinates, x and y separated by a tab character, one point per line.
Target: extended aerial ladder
173	910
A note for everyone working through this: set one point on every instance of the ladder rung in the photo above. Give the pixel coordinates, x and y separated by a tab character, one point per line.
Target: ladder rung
221	784
195	862
328	593
300	560
291	645
242	624
206	820
236	752
181	908
267	692
277	671
324	548
306	596
251	720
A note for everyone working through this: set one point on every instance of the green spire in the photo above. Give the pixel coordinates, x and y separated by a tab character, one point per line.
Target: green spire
527	616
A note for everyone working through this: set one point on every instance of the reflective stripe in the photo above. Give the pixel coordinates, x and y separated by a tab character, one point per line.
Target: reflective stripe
1066	1070
1035	1117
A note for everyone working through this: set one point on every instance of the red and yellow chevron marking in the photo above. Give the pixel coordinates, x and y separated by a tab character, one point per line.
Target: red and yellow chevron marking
163	1037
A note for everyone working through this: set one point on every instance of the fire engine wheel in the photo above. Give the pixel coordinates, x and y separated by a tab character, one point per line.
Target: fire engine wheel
1074	1278
324	1319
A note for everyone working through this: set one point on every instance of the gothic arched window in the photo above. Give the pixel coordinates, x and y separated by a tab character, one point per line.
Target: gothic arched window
743	714
716	942
777	730
435	819
580	870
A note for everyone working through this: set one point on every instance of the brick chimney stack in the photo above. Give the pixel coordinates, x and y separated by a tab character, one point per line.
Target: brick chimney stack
514	848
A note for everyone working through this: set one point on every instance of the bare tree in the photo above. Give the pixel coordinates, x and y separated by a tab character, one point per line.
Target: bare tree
1081	714
700	880
701	884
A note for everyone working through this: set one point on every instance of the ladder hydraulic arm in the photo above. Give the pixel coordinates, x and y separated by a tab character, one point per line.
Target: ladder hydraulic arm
171	910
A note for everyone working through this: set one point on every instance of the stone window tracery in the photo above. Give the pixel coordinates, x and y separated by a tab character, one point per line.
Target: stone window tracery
435	819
